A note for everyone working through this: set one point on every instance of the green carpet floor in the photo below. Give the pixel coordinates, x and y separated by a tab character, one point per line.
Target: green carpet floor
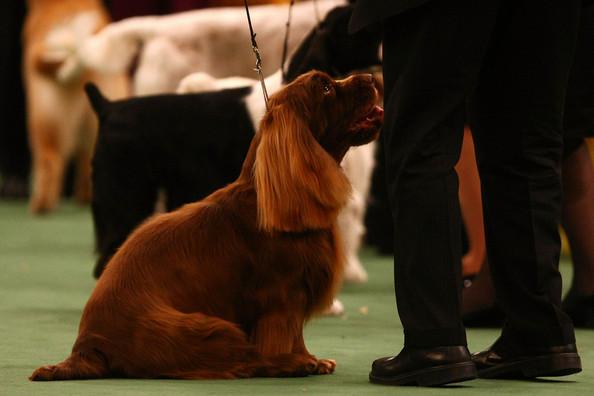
45	267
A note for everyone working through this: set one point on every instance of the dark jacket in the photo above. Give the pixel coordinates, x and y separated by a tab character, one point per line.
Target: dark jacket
368	12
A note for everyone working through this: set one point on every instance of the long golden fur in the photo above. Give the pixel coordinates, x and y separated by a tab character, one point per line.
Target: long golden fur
60	121
222	288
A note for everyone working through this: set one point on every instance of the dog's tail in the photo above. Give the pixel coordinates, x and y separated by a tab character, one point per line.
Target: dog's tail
99	103
58	56
114	49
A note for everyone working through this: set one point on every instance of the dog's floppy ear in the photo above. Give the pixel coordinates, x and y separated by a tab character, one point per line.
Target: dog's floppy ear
298	184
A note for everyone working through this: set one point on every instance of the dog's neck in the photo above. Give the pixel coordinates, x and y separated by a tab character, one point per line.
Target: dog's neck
255	100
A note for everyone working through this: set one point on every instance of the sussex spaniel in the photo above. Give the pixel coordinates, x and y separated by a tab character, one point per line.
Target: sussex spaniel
221	288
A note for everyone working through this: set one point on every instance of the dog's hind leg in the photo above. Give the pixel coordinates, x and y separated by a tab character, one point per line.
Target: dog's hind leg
48	166
192	346
53	114
196	345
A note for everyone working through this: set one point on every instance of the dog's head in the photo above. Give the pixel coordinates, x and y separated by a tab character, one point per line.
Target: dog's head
309	127
331	49
337	114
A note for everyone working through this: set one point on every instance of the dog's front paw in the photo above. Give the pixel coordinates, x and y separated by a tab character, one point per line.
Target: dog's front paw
325	366
336	309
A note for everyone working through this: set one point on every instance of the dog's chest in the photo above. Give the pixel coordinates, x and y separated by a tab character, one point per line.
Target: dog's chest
306	267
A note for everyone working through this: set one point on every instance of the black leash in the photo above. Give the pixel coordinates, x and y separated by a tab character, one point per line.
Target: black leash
286	42
257	53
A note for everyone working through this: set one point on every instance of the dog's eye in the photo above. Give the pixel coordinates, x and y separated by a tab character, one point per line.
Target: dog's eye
327	88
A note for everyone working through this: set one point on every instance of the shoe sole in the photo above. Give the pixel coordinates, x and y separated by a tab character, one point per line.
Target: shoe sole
433	376
539	366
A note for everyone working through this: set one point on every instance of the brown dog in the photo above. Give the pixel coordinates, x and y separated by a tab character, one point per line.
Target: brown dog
60	121
221	288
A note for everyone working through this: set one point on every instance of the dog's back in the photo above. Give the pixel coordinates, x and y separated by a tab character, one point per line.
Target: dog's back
211	40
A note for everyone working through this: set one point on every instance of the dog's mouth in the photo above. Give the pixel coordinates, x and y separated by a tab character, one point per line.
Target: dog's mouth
370	120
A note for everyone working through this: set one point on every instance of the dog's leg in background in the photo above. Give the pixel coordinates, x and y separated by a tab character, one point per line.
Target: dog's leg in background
56	115
358	166
48	164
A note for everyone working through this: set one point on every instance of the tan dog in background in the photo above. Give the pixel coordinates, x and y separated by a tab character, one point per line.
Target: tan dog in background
61	123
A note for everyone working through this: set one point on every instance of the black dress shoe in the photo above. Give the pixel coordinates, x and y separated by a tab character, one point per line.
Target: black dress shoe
505	361
425	367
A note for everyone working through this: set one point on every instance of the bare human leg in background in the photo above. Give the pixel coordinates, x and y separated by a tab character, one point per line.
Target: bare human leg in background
469	192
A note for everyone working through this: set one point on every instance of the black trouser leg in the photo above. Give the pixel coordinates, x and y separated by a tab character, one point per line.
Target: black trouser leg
432	56
517	114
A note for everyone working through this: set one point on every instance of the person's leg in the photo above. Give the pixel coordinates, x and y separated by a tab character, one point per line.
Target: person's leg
578	222
378	217
578	200
578	216
517	118
432	55
578	176
479	307
471	206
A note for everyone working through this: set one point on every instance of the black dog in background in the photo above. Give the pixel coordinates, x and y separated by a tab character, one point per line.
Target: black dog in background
190	145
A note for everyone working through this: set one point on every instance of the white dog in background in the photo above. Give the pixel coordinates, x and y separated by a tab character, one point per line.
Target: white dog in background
215	41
